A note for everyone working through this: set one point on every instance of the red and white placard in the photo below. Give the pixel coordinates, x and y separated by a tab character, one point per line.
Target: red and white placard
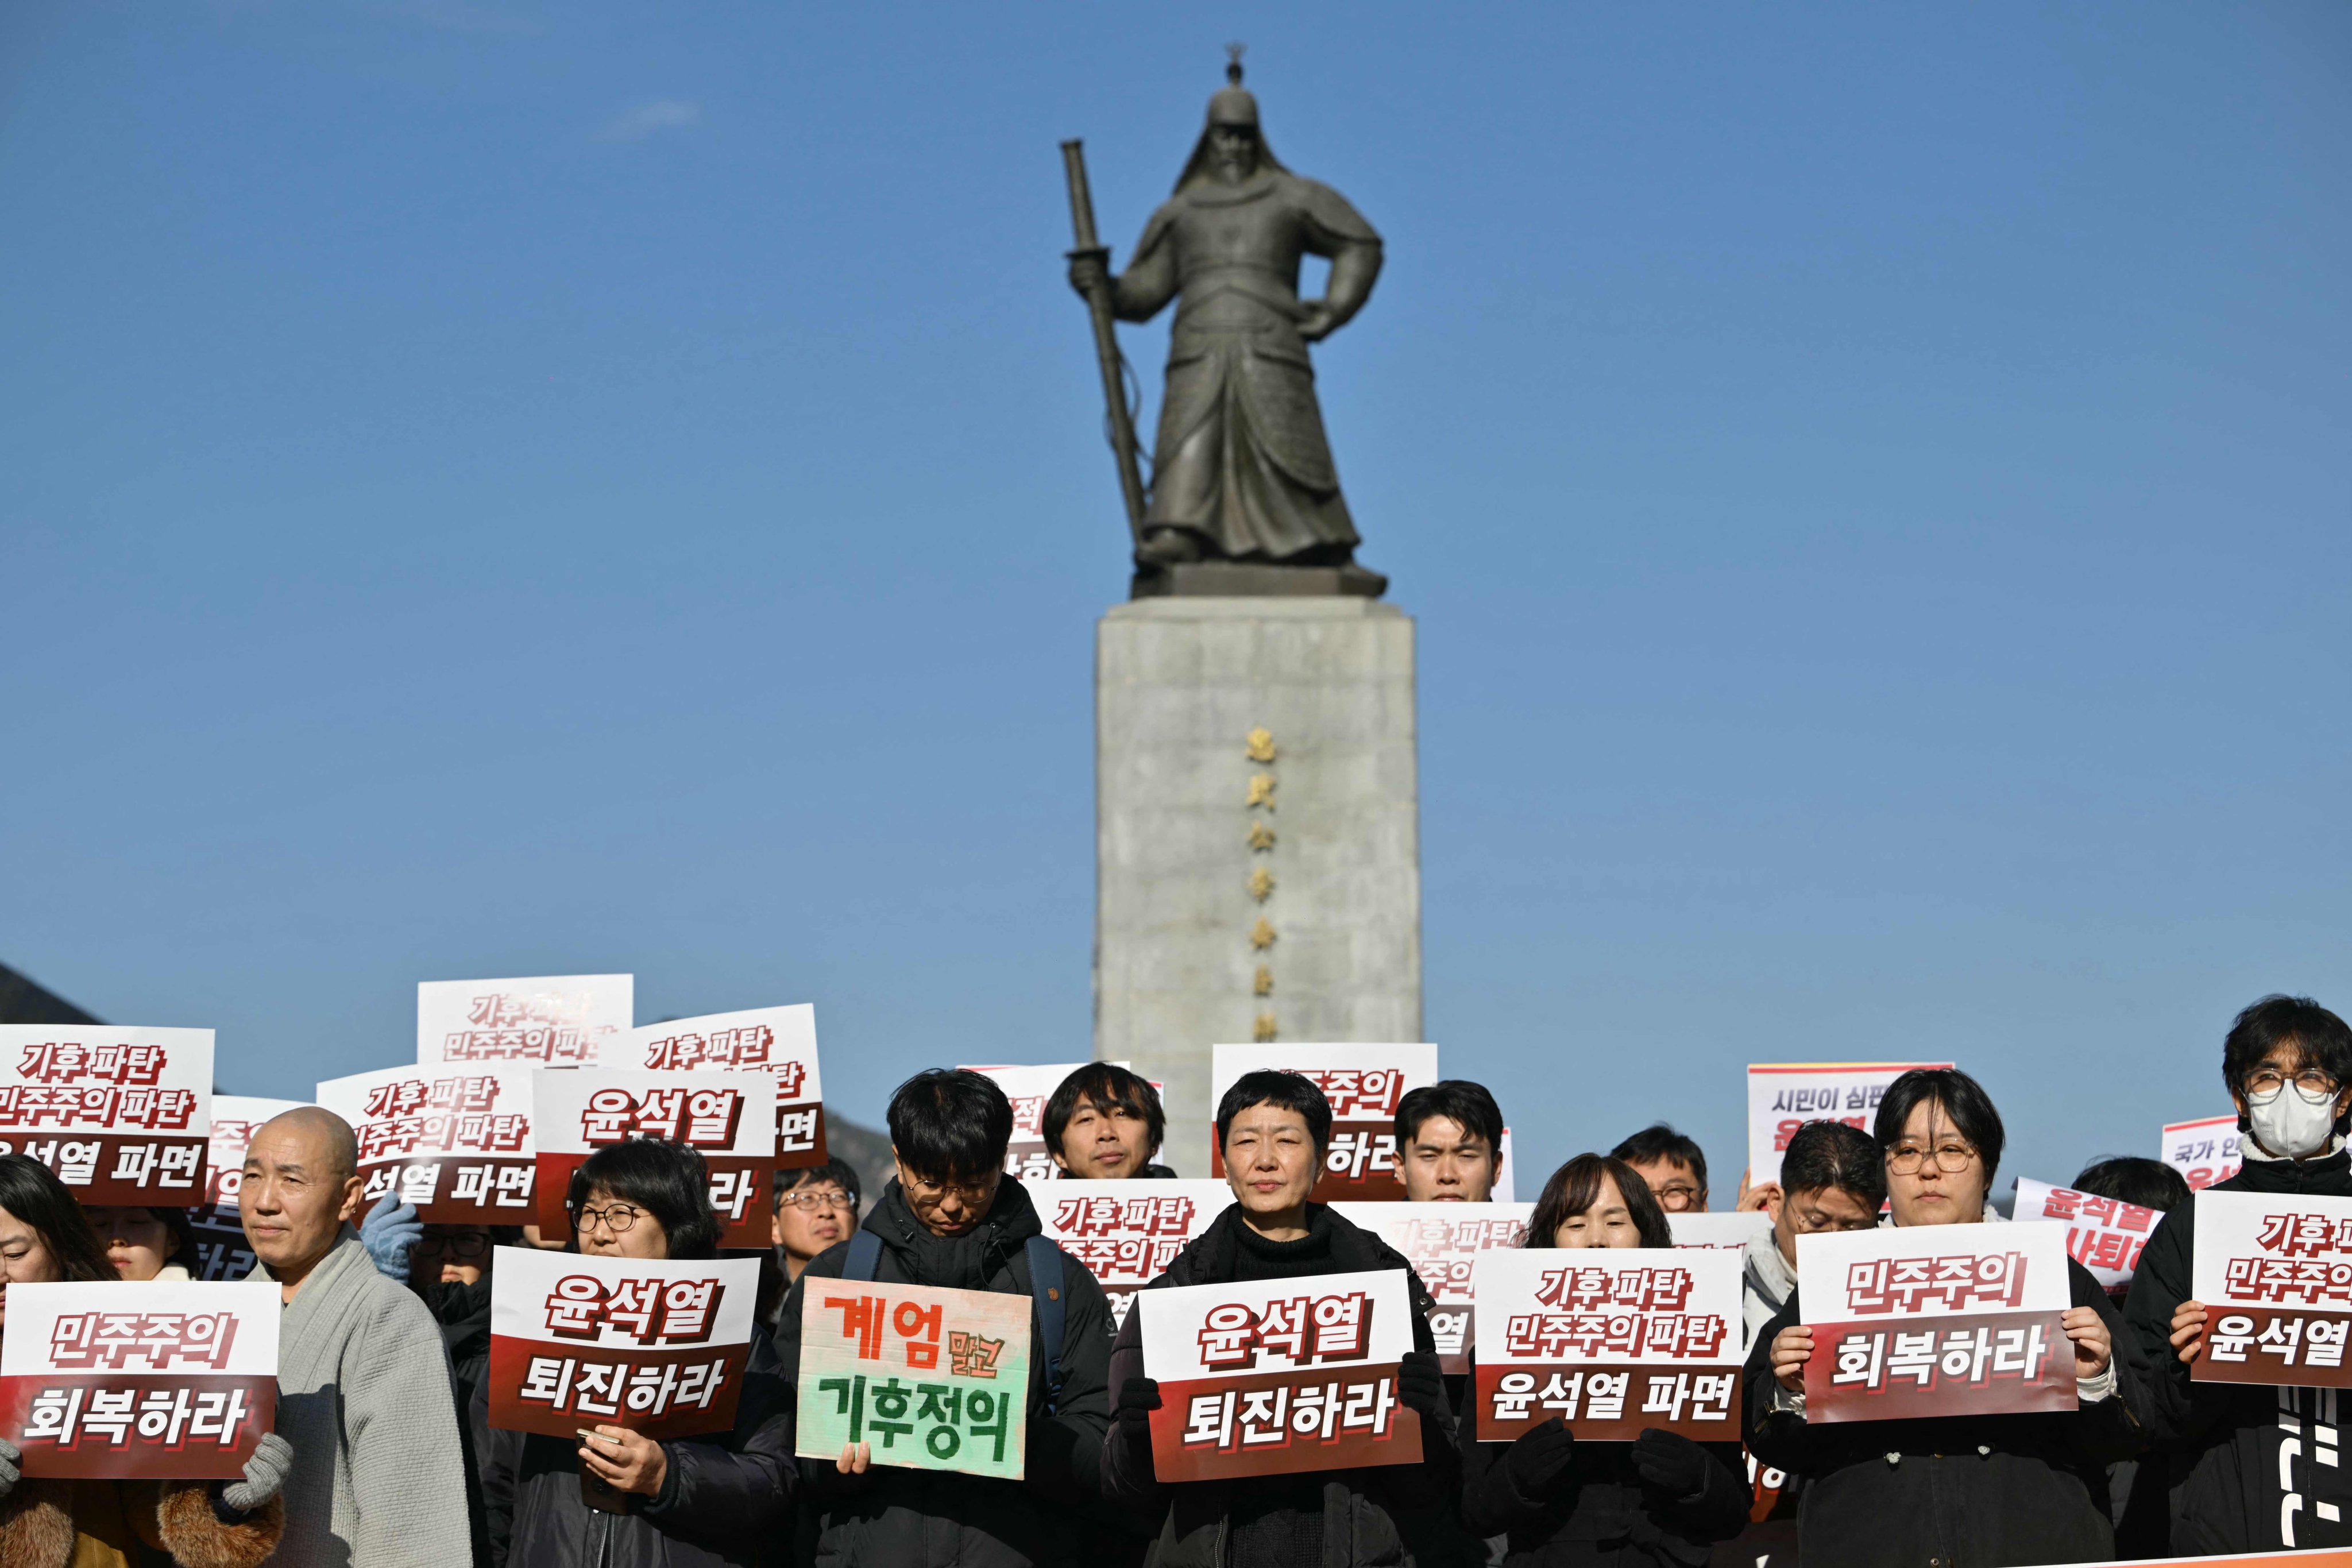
1029	1088
558	1020
1943	1319
1439	1239
1364	1084
222	1251
120	1115
164	1380
453	1140
2104	1235
1610	1340
778	1041
1128	1232
1730	1231
2204	1151
729	1117
1279	1375
2274	1272
657	1346
1783	1096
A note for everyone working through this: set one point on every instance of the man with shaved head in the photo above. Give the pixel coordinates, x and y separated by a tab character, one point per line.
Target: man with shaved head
363	1379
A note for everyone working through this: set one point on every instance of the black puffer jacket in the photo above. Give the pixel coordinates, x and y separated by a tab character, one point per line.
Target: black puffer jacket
1359	1507
726	1501
1601	1513
464	1313
2227	1448
1986	1491
897	1518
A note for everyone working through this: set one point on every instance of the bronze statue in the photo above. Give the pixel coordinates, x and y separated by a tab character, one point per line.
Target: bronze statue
1244	496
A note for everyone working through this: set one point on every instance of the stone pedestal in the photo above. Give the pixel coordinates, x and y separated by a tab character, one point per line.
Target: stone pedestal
1257	836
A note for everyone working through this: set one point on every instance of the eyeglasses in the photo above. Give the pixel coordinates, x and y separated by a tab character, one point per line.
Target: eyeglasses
615	1217
1905	1159
465	1243
2265	1081
970	1192
826	1198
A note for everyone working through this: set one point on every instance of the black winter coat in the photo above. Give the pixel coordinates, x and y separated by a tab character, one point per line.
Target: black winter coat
1361	1527
2225	1448
897	1518
726	1501
1601	1514
1984	1492
464	1313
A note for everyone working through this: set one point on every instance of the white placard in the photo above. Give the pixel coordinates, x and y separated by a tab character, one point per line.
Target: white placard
2104	1235
1364	1084
1128	1232
558	1020
1029	1088
120	1115
1181	1342
1783	1096
127	1329
2204	1151
530	1302
454	1139
778	1041
1730	1232
1932	1270
580	1111
1440	1240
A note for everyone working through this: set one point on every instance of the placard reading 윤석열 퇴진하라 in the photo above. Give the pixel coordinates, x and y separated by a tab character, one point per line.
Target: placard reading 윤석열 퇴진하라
729	1117
454	1139
931	1379
1126	1232
2274	1272
1364	1085
655	1345
120	1115
166	1380
1441	1241
1943	1319
1784	1096
1609	1340
2104	1235
778	1041
1279	1375
554	1020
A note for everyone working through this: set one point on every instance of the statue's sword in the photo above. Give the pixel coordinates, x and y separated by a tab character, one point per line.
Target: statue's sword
1122	428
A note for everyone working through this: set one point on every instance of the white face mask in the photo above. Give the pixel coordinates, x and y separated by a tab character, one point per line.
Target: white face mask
2289	1124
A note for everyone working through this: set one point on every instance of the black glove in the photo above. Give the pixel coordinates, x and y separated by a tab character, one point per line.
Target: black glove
1672	1463
1421	1386
1538	1456
1137	1398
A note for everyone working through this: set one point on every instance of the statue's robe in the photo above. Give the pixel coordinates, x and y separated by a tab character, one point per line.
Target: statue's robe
1240	458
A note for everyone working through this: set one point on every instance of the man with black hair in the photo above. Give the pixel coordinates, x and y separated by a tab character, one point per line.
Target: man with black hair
1273	1127
1104	1123
1673	1165
815	1206
1833	1178
951	1217
2135	1179
2250	1466
1449	1138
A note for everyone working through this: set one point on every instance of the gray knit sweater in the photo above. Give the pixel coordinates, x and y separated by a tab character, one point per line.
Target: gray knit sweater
363	1396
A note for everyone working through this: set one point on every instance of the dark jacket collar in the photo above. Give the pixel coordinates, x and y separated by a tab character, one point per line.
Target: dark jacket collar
1208	1259
2330	1175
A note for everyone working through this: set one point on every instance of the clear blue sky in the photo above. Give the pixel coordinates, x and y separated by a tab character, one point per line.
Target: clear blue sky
508	488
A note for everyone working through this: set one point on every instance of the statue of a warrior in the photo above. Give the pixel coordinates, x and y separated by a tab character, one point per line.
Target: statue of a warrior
1241	470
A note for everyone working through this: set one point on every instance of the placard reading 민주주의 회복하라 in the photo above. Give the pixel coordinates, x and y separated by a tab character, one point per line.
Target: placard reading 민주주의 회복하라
2104	1235
1128	1232
729	1117
655	1345
165	1380
454	1139
1279	1375
216	1227
1440	1240
554	1020
931	1379
1784	1096
1364	1084
778	1041
1609	1339
1940	1319
2274	1272
121	1116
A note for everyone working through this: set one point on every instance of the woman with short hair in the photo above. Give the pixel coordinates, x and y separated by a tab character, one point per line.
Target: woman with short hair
718	1499
1989	1490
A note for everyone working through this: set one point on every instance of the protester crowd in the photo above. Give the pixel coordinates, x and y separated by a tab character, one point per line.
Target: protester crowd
384	1453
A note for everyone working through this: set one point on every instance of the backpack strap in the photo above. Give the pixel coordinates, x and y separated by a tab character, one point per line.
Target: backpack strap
1051	1302
865	1254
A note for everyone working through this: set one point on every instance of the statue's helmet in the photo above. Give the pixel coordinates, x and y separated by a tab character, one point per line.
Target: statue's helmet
1232	104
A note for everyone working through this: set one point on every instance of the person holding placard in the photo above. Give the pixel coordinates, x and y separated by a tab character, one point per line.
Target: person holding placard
1273	1129
1105	1123
1985	1491
1449	1138
703	1502
951	1218
1661	1498
2245	1459
96	1524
